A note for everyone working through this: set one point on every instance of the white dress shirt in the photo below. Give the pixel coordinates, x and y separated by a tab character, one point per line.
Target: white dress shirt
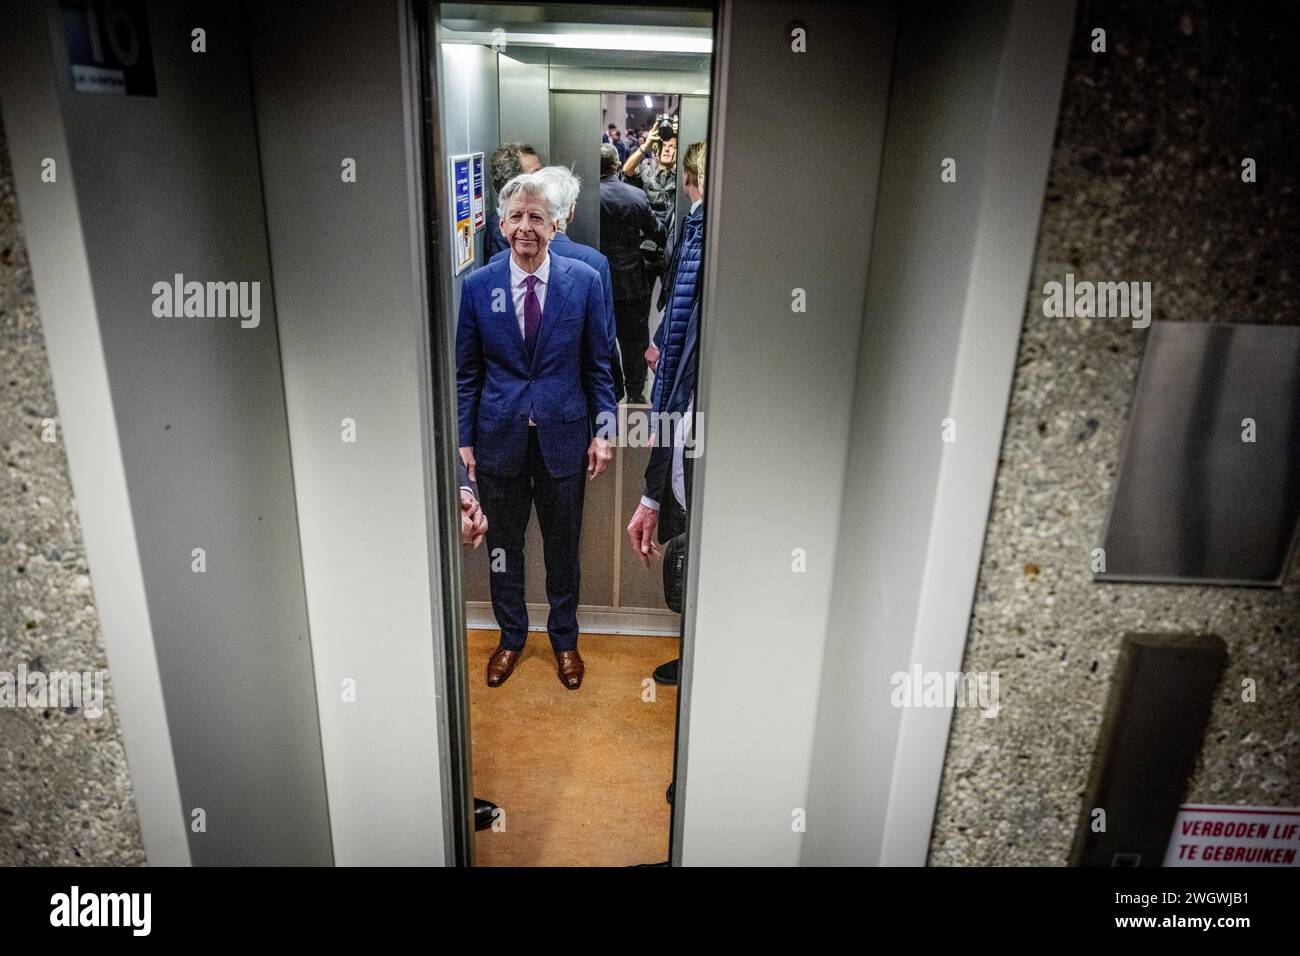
683	430
519	290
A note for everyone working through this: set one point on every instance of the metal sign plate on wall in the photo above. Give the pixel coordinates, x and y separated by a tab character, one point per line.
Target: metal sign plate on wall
108	47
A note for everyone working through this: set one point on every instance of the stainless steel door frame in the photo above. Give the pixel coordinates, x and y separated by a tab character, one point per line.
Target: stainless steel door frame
438	387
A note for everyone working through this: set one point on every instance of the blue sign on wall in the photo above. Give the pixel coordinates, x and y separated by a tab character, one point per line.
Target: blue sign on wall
462	212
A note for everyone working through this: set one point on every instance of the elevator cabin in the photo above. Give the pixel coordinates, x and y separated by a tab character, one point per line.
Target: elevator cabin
581	777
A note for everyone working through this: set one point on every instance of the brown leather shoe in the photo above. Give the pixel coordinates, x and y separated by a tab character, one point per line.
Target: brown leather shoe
571	669
501	665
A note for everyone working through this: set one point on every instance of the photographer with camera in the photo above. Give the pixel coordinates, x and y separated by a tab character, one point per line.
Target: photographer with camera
660	184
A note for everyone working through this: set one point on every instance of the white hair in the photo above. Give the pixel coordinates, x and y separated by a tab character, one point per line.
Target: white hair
567	186
530	184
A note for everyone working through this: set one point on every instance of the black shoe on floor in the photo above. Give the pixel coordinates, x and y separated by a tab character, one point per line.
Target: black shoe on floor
484	813
667	673
669	792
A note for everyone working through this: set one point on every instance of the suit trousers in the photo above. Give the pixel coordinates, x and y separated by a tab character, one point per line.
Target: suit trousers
507	502
632	317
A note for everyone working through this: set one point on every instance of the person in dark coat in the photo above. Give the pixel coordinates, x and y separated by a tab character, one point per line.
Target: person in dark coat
667	487
665	495
626	220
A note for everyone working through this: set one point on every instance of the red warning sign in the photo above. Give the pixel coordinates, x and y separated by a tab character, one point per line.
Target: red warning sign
1235	836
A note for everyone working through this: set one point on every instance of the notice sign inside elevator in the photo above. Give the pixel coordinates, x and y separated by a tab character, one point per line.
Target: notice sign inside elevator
480	217
108	47
1235	836
462	213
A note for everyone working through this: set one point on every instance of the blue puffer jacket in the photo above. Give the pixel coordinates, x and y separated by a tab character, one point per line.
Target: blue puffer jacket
678	340
680	328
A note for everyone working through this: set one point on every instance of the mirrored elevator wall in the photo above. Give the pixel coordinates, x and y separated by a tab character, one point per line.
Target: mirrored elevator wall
1138	193
514	94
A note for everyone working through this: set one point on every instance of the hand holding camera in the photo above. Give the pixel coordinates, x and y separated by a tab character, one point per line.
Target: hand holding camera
665	127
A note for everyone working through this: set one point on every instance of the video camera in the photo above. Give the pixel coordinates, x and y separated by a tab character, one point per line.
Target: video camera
666	126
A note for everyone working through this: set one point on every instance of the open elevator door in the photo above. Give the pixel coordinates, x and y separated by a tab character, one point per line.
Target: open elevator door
789	205
509	73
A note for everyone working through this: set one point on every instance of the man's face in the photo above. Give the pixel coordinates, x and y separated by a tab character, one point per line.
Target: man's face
614	134
526	226
668	153
529	162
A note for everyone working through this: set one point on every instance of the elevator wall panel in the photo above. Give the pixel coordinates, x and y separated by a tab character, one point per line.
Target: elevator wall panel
348	282
575	142
469	114
168	186
525	105
776	384
693	127
946	293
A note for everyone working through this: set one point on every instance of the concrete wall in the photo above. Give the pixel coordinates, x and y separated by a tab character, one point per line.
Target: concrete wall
1145	184
176	432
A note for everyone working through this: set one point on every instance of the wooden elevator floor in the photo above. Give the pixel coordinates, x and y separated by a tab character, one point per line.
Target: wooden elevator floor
579	774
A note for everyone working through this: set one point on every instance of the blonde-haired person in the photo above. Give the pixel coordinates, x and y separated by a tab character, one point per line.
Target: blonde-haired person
666	493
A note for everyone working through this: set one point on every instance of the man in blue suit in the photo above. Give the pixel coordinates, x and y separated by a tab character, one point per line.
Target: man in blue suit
567	187
533	381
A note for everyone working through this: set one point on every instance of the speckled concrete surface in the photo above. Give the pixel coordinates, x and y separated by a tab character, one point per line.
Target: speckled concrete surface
1145	185
65	794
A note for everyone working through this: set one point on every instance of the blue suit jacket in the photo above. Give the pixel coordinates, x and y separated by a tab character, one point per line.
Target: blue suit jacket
565	386
562	245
